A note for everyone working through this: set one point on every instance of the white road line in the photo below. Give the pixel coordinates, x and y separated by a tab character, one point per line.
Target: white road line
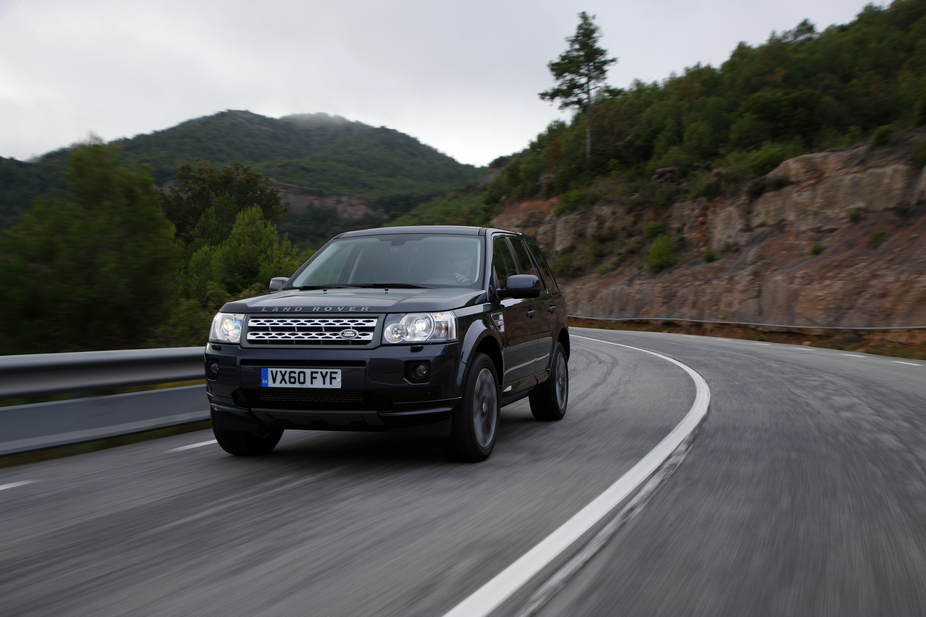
849	355
488	597
3	487
907	363
766	344
194	445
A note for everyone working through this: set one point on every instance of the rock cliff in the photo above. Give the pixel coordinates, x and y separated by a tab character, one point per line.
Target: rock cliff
835	239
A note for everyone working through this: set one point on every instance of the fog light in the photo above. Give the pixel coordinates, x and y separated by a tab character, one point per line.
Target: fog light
420	372
213	369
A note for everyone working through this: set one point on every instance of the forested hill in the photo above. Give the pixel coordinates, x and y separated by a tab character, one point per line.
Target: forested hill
802	91
313	154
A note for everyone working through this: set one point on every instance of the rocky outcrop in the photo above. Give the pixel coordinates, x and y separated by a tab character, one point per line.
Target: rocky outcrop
345	206
835	239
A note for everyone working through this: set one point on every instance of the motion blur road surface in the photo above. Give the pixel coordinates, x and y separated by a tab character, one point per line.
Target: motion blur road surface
803	493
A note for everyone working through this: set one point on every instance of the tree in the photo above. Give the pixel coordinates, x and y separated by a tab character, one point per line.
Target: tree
201	186
95	271
580	72
242	264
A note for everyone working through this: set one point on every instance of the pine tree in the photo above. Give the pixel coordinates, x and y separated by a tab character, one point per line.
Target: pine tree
580	72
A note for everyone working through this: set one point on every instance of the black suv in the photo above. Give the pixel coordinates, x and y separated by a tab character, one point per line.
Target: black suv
415	330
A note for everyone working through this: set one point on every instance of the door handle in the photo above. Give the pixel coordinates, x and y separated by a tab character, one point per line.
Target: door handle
552	308
530	313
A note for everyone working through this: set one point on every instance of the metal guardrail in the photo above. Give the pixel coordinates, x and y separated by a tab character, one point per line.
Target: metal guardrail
743	323
40	374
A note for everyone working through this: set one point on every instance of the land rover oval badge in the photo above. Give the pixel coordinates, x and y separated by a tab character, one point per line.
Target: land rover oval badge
349	334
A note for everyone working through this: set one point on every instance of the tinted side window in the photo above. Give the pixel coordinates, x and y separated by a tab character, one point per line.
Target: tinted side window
544	266
502	262
525	263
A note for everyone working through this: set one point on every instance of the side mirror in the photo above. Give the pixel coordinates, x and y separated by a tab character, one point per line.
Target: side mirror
277	282
520	286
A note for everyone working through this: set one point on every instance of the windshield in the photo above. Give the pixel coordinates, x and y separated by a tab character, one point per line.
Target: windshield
406	260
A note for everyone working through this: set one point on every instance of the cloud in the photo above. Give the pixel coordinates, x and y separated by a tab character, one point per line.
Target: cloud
462	76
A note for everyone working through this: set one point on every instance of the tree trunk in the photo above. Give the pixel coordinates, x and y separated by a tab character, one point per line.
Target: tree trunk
588	134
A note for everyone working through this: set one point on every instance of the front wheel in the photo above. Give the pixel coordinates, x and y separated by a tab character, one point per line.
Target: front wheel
548	402
475	423
247	444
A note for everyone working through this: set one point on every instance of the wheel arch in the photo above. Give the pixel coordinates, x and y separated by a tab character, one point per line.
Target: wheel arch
563	339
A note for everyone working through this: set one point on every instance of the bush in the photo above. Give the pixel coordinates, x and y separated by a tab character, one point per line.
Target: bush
921	112
882	135
661	254
756	188
875	239
709	256
919	153
765	159
854	215
654	229
816	249
574	200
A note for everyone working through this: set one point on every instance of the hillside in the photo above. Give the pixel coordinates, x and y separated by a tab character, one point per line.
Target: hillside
785	186
316	159
836	239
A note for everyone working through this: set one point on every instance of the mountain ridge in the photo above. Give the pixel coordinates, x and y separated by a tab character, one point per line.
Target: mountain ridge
309	155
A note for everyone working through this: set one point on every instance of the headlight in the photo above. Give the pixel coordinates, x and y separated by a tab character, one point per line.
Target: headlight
226	328
420	328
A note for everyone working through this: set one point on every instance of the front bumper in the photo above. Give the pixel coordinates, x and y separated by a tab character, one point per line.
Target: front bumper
377	390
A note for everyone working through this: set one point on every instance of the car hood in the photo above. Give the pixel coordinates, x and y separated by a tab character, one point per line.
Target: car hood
356	301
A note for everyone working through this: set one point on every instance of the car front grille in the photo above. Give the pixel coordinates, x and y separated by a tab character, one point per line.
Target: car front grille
312	331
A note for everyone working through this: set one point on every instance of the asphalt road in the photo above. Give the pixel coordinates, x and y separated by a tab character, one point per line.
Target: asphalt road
803	493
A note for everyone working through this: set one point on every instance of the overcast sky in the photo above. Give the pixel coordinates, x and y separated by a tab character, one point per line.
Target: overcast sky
459	75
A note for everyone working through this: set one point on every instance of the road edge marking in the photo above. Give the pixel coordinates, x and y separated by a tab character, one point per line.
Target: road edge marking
193	445
488	597
3	487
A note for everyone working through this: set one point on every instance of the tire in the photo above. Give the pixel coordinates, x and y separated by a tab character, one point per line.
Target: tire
549	400
241	443
475	423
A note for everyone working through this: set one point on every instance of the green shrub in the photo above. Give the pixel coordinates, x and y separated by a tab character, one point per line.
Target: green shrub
816	249
854	215
921	112
875	239
654	229
756	188
706	185
765	159
662	254
709	256
574	200
919	153
882	135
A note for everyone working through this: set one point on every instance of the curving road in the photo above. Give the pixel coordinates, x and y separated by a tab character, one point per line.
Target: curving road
803	493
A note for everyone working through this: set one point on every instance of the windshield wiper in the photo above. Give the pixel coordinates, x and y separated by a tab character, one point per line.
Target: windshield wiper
307	287
390	286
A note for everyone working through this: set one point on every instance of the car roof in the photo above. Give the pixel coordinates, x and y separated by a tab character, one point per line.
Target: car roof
422	229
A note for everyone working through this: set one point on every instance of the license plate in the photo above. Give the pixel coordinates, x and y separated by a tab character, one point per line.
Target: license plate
300	377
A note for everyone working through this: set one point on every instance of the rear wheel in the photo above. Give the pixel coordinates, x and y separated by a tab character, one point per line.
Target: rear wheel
475	423
247	444
549	400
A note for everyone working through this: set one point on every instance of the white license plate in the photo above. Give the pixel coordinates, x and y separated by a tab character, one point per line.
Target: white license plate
300	377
